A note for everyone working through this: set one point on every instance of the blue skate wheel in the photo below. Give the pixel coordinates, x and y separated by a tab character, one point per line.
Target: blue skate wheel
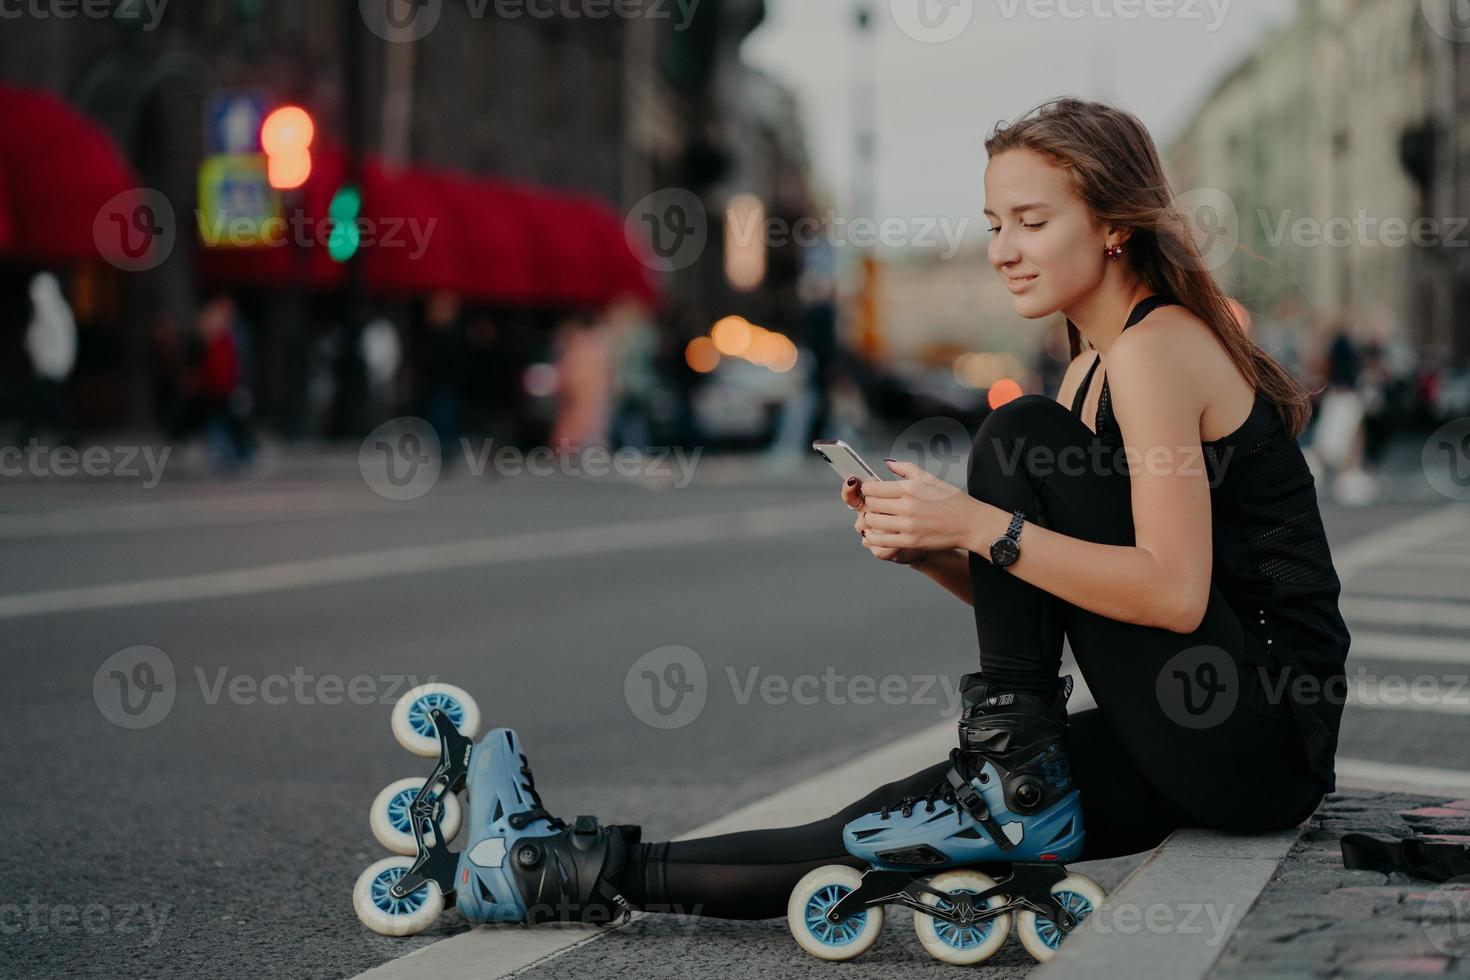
1042	937
962	945
413	723
382	913
389	817
806	915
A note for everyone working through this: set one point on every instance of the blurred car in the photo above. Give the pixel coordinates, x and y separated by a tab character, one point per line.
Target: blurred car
739	403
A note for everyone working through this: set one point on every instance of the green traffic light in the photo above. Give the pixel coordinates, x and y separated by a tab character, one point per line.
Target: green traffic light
344	210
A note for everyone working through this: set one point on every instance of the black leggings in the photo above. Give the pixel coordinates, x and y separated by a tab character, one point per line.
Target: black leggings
1156	754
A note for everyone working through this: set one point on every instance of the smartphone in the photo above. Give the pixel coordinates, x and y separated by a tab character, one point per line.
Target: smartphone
845	460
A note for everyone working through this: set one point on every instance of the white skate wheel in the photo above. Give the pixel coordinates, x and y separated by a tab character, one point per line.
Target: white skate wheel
389	817
962	945
389	916
806	913
1079	894
415	730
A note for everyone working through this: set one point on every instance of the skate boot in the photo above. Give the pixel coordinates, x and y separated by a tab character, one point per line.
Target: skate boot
1006	806
520	864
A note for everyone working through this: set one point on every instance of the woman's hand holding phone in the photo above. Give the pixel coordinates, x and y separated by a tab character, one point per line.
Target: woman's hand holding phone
852	496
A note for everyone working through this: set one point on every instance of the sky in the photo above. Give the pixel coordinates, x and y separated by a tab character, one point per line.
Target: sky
944	81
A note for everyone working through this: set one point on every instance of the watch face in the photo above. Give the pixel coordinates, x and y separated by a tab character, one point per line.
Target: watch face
1004	551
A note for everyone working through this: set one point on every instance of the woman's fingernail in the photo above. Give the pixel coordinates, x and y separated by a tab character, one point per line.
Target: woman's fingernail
889	459
852	481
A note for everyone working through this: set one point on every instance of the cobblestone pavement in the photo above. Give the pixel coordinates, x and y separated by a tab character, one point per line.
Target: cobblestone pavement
1319	919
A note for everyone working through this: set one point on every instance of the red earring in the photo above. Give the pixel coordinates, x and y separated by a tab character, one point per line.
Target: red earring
1114	252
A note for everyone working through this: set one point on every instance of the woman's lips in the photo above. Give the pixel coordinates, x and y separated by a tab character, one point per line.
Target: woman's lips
1018	284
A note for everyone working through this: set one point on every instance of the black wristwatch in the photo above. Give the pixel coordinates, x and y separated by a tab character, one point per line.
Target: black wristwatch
1005	549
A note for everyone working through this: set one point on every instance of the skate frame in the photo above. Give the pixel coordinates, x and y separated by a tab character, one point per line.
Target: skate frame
880	886
435	861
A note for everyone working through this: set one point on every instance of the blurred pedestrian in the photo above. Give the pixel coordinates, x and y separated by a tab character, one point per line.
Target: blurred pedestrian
584	374
224	397
634	343
819	336
444	369
1338	434
382	355
51	342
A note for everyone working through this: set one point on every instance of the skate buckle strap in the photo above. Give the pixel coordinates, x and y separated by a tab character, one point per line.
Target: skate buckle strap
968	797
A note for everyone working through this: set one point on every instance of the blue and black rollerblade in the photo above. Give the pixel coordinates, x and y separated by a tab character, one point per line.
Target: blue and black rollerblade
998	828
520	864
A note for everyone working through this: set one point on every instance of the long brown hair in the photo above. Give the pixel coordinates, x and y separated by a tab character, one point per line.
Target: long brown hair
1112	164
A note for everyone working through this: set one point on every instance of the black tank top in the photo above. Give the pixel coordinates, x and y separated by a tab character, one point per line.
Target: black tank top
1271	559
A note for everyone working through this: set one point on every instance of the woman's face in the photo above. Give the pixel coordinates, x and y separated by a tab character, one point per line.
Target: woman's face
1043	242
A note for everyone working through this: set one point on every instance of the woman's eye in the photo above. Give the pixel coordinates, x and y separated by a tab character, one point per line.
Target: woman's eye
995	231
1039	224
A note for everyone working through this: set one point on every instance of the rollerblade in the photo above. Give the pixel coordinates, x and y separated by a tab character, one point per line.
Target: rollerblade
1006	818
520	864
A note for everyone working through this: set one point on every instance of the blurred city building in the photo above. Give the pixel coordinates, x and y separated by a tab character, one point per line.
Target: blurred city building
1329	143
526	137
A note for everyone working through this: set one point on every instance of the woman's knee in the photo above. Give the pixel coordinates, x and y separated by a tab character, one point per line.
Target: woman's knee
1025	438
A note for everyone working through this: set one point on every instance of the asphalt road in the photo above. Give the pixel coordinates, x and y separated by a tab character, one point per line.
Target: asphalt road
223	837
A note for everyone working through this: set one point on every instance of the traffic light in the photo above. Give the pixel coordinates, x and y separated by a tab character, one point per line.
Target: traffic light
345	209
286	136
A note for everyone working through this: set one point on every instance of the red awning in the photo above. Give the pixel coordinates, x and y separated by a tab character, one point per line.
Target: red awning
427	229
60	176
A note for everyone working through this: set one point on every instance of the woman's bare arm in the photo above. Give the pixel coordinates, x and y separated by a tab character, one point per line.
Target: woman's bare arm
950	569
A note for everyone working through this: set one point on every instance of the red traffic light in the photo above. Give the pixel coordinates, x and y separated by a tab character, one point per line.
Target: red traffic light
286	136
